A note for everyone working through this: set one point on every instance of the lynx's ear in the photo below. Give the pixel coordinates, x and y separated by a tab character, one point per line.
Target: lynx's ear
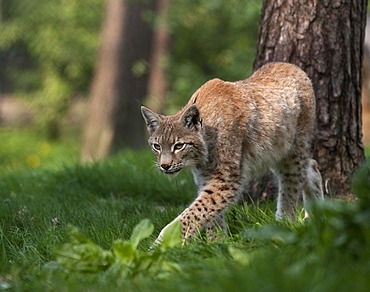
151	119
191	118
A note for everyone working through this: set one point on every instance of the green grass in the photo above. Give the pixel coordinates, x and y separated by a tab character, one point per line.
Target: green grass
28	149
367	152
106	200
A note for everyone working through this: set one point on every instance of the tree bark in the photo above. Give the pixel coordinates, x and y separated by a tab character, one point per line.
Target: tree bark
366	87
324	38
120	81
157	84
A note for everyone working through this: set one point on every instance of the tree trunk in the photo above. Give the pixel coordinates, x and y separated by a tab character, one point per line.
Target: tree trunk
120	81
157	86
366	87
325	39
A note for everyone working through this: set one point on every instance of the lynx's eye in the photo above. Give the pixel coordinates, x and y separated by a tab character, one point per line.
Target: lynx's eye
156	147
178	146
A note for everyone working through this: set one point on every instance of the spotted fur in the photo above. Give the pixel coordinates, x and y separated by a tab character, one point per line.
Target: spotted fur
230	132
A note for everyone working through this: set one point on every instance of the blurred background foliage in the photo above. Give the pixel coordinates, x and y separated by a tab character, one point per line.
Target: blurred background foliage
47	51
210	39
48	48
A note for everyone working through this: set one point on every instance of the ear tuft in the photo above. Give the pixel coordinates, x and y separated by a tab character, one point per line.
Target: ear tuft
192	119
151	119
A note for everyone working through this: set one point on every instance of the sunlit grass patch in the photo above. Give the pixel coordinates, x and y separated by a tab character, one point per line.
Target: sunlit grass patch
27	149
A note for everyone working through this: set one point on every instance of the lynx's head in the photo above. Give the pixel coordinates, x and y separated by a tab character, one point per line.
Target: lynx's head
176	140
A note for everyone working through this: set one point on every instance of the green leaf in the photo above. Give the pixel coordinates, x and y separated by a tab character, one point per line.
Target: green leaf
76	236
141	231
272	233
169	268
239	256
124	250
83	257
171	236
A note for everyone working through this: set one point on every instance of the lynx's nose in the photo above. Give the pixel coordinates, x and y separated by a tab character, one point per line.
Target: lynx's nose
165	166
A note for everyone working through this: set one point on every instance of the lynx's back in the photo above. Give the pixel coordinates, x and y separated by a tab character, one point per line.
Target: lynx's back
269	111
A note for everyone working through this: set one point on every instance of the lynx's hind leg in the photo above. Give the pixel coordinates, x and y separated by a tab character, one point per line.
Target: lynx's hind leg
312	189
291	174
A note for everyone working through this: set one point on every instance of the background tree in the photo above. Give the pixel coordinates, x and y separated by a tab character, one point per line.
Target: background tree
366	87
157	83
325	39
120	82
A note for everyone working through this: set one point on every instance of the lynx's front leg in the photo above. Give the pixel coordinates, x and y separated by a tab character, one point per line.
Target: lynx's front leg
216	228
210	204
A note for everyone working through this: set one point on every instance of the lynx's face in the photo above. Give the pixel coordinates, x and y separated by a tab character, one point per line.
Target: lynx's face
176	141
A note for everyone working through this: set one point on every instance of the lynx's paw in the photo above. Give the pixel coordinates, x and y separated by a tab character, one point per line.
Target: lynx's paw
160	236
169	228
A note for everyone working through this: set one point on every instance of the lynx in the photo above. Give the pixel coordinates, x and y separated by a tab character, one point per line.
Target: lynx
230	132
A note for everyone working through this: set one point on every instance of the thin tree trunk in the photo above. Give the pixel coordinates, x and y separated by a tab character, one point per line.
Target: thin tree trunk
325	39
157	86
120	81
